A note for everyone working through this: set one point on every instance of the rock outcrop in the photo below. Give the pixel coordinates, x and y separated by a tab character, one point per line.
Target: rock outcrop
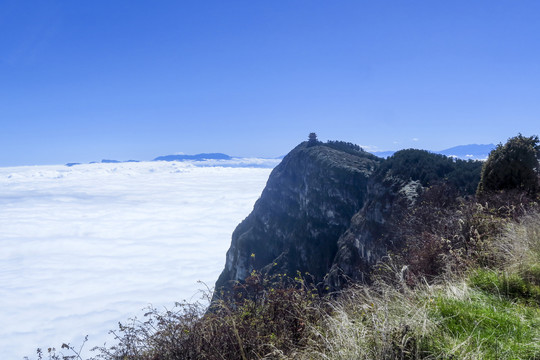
307	205
373	230
332	210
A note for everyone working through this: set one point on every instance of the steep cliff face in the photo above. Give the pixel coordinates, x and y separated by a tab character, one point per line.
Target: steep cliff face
334	211
307	205
374	229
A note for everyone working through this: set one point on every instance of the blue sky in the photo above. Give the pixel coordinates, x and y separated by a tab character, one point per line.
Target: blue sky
87	80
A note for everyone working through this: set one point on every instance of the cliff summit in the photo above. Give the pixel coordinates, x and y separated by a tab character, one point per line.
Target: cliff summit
331	210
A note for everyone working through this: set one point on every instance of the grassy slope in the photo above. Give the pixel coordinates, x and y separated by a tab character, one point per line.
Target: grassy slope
482	314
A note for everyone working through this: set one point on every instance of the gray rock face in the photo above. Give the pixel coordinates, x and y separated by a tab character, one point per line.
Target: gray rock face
334	211
308	203
373	230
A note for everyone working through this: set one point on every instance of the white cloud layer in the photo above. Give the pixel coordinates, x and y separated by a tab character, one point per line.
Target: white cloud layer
90	245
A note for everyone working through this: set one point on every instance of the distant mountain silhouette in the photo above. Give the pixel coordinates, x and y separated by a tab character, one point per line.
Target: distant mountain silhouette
472	151
104	161
383	154
465	152
197	157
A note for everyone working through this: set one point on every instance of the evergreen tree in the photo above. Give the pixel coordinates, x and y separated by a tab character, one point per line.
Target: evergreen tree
512	166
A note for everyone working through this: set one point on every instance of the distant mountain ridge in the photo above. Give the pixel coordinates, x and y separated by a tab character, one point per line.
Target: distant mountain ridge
196	157
472	151
464	152
198	160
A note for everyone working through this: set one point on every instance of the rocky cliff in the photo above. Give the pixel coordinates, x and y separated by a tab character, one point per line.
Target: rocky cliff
331	210
307	204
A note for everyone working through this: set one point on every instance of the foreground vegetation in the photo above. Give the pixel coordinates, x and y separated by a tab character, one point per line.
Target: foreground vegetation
465	285
480	313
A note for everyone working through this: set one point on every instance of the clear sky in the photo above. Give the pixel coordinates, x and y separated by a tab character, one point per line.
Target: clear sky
87	80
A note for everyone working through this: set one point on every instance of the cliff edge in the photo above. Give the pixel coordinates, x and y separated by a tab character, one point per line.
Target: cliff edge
308	203
333	210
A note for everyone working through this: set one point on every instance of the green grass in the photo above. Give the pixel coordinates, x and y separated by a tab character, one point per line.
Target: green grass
484	325
518	285
452	320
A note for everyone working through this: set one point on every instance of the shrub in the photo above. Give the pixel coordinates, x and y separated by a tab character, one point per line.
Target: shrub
513	165
257	319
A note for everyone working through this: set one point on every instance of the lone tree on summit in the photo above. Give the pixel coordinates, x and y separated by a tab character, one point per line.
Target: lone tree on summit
312	139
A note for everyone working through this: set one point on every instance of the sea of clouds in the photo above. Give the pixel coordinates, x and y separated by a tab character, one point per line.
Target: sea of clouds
87	246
